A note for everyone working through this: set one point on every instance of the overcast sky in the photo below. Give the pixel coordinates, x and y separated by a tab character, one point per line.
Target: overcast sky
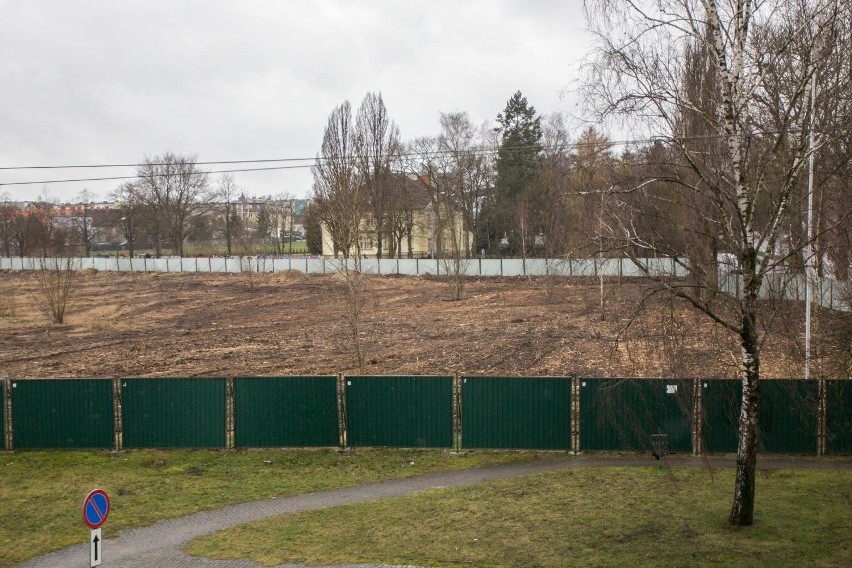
104	82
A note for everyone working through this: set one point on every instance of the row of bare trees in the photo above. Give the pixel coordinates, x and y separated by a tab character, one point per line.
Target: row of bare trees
170	194
39	230
173	200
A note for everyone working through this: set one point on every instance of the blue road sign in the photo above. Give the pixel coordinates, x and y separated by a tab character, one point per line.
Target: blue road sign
95	508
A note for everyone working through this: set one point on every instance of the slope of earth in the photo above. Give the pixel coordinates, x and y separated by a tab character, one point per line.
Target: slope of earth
121	324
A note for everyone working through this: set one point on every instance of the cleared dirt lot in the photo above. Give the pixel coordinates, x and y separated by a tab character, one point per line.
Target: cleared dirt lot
292	323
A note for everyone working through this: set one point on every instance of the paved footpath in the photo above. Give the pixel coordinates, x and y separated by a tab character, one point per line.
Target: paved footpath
161	545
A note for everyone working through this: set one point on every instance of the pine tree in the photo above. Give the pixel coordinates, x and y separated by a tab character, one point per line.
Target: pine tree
518	204
264	224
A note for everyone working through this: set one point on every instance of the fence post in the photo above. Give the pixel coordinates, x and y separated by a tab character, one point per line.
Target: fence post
8	441
457	413
229	413
822	400
575	415
117	419
341	411
697	416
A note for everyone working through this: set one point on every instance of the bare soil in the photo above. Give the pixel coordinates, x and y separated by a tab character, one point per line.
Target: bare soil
121	324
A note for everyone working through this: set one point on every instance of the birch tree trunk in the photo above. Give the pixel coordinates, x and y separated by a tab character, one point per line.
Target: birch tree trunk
724	90
742	510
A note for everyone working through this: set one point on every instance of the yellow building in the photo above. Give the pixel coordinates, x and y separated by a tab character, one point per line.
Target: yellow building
424	228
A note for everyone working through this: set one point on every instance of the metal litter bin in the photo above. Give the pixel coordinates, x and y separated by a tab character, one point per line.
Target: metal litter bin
659	445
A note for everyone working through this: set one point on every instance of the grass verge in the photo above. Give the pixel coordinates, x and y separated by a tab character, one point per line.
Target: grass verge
42	492
576	517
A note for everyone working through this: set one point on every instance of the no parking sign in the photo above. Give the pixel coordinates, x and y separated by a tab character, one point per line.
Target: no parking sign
95	513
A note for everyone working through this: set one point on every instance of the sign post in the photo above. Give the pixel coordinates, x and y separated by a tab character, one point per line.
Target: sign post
95	548
95	513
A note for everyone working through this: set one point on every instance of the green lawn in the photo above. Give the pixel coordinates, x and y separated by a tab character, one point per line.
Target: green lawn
41	493
577	517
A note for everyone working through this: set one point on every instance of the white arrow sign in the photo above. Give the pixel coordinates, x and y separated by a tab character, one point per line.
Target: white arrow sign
96	548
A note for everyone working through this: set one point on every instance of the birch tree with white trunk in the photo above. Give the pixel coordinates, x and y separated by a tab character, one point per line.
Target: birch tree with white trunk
744	165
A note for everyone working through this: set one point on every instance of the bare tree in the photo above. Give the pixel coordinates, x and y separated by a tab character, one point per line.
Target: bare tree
341	201
591	174
128	213
33	231
377	144
338	193
560	217
455	171
8	212
282	217
56	279
470	174
177	192
745	187
19	234
82	222
401	207
227	193
431	168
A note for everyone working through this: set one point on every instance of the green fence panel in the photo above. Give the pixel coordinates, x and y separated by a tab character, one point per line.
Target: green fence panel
62	413
788	416
788	410
404	412
622	414
516	412
838	417
721	411
173	413
3	411
285	412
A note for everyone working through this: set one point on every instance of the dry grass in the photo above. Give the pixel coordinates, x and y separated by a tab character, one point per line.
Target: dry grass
292	323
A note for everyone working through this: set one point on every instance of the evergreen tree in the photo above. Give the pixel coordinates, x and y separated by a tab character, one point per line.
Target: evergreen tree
264	224
313	230
519	204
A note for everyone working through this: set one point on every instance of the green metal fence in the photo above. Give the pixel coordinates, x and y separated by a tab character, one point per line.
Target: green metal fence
173	413
838	417
417	411
62	413
412	412
622	414
516	412
788	416
285	411
721	409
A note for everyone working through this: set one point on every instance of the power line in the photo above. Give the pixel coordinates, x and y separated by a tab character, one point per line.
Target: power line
312	161
137	165
120	178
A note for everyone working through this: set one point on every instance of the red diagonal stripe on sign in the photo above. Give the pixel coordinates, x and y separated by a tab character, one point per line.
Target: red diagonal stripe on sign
97	509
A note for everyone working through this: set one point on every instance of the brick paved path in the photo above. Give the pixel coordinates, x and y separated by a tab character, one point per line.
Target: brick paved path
160	545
